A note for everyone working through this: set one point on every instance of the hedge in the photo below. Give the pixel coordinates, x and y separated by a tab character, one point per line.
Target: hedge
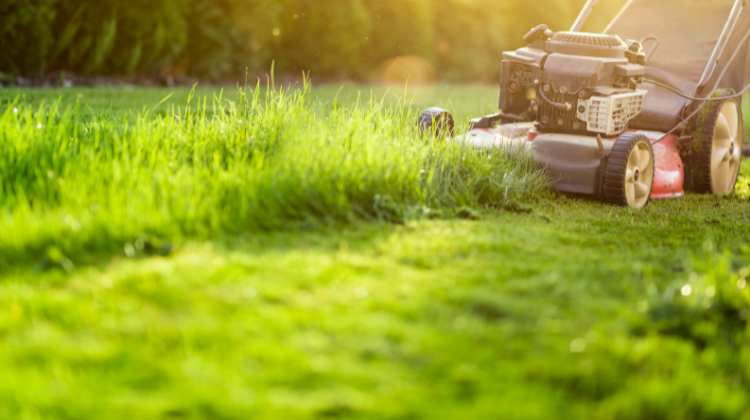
25	37
219	39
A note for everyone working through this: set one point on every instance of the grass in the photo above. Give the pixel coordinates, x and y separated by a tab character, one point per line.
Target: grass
465	101
268	161
543	307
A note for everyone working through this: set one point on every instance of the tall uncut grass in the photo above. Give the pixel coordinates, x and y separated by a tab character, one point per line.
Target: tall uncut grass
74	185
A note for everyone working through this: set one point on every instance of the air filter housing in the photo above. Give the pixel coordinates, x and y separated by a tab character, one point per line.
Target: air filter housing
590	45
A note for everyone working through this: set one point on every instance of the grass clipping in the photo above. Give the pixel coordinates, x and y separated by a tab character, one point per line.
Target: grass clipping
275	159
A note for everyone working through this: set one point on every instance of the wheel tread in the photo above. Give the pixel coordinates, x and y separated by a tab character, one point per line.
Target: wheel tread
613	190
700	162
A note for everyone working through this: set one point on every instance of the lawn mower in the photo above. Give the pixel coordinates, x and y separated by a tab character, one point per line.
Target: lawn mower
644	110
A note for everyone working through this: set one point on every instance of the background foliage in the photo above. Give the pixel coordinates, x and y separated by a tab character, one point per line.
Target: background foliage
221	39
24	23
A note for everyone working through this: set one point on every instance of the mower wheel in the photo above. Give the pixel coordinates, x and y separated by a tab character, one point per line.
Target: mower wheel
629	176
438	122
717	151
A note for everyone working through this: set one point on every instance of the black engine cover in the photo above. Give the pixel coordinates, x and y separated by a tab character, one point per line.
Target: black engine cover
566	69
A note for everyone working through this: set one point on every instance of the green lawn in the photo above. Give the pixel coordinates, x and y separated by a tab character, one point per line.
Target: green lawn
466	101
182	271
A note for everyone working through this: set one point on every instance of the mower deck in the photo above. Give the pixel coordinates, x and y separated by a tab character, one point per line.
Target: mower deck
575	161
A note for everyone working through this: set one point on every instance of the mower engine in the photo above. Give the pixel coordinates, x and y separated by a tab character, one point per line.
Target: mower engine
574	83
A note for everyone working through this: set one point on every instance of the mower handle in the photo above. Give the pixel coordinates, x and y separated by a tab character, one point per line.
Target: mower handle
584	15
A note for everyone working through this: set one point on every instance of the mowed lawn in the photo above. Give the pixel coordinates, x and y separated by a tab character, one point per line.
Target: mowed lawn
355	288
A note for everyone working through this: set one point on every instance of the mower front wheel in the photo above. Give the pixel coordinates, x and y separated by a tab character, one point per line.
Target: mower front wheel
438	122
629	175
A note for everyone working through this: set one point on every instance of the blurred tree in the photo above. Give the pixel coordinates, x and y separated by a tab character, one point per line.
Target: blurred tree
116	36
399	28
325	38
213	41
216	39
262	24
25	35
470	38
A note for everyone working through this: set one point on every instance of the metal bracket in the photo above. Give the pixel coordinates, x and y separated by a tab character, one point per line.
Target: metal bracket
489	120
601	146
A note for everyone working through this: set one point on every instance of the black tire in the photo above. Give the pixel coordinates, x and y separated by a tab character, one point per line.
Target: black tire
616	182
437	122
702	148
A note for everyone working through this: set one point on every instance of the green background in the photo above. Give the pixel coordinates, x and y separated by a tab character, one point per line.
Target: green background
229	39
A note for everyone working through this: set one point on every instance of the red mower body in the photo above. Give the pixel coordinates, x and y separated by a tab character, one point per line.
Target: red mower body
669	170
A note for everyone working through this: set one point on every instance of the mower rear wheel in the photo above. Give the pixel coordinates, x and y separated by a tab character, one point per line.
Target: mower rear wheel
437	122
716	159
629	176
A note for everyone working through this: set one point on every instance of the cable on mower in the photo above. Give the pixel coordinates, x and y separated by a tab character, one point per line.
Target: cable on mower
562	107
694	99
